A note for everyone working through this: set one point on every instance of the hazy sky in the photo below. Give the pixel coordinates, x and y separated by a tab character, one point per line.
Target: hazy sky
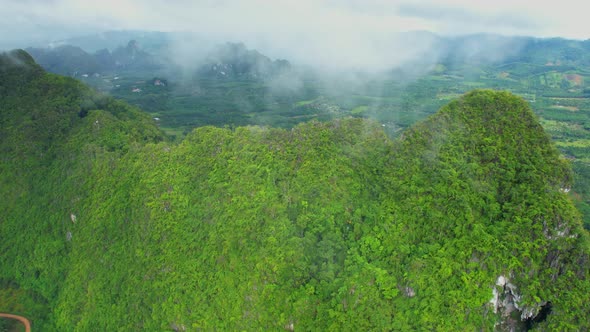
323	29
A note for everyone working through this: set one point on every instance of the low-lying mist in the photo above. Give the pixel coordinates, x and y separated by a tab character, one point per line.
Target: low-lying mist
188	80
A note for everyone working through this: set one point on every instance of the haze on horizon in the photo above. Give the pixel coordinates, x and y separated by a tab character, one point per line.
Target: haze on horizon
346	33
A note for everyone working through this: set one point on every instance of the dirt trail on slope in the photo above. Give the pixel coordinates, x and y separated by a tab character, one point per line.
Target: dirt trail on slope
23	320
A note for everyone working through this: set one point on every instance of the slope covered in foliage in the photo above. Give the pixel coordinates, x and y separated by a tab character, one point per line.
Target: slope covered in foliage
460	224
53	131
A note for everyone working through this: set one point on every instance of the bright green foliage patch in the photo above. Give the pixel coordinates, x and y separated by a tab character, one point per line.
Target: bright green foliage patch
327	226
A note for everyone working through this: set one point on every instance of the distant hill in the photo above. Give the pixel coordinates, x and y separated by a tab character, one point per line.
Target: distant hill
151	41
226	61
494	49
73	61
232	60
66	60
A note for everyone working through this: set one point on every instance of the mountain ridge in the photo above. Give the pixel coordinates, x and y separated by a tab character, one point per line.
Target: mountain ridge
329	225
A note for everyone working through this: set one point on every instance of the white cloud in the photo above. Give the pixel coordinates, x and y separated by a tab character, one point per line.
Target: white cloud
564	18
350	32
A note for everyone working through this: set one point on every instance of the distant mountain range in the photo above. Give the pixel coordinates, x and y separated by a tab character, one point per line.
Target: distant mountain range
229	60
483	48
175	52
73	61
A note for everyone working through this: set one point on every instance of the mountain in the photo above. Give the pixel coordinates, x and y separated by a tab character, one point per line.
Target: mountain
490	49
132	57
449	50
73	61
226	61
461	223
66	60
234	60
151	41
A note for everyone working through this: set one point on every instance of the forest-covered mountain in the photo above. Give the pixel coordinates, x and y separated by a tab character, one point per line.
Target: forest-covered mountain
225	61
107	225
234	60
73	61
495	49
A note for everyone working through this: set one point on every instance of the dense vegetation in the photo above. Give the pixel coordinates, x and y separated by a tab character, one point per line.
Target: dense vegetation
460	223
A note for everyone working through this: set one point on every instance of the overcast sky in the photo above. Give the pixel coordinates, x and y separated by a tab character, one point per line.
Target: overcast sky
321	28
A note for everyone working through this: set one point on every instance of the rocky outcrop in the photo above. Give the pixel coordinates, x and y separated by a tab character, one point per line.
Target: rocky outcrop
513	316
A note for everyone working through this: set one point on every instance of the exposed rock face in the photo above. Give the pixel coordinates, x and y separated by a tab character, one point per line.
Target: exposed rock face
513	315
177	327
290	327
409	291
